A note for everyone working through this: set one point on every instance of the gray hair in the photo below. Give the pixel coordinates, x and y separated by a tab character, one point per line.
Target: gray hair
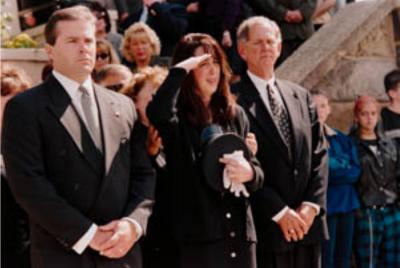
244	28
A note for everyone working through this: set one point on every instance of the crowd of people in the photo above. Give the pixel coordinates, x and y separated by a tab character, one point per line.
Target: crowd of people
106	163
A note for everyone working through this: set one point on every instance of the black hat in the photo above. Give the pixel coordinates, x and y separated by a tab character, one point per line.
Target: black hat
216	143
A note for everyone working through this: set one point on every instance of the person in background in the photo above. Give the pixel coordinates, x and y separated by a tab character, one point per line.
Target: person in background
323	13
105	54
103	26
342	199
140	47
129	11
212	227
73	160
169	20
289	210
377	232
113	76
14	220
391	114
142	87
159	247
220	19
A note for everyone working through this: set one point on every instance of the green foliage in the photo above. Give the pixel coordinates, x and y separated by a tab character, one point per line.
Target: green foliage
22	40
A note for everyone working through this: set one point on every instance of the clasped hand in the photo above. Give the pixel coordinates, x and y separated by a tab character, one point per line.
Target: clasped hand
296	224
114	239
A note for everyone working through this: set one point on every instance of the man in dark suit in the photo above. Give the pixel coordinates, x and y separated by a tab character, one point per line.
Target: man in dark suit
289	209
73	160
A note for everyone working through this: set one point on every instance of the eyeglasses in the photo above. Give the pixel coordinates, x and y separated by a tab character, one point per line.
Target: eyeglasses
116	87
102	56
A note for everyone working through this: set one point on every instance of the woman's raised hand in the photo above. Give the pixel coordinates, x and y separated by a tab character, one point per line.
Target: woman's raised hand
193	62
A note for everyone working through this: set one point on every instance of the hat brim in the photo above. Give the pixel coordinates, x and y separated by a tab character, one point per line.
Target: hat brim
214	150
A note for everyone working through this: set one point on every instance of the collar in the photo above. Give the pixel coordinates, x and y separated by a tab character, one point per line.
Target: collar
329	131
260	82
71	86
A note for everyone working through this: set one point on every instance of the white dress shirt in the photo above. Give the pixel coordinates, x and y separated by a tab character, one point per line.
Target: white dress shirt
261	86
72	88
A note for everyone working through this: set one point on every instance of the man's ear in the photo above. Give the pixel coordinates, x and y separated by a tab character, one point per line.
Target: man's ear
280	47
241	50
49	50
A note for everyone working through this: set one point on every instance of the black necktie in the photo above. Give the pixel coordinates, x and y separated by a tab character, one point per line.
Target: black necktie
87	103
280	115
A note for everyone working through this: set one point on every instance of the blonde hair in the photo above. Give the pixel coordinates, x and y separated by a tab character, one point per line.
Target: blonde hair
139	28
14	80
156	75
244	28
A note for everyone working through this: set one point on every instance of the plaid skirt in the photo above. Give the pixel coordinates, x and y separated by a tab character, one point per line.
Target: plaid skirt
377	237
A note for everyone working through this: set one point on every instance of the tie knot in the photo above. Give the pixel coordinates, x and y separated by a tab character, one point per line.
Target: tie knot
84	90
270	88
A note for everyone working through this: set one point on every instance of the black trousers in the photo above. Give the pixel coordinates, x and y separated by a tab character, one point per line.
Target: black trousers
301	256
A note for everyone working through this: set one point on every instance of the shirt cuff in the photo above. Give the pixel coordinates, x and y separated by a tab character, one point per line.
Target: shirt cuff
85	240
280	214
313	205
160	160
139	229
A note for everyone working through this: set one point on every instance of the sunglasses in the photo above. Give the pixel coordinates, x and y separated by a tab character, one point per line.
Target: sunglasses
116	87
100	15
102	56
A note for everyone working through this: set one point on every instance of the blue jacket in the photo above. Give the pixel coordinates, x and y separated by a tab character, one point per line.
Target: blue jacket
344	171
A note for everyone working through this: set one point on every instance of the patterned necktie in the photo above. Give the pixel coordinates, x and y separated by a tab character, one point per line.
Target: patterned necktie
87	103
280	116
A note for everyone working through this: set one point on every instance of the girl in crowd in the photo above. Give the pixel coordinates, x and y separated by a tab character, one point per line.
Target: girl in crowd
342	199
212	228
377	231
105	54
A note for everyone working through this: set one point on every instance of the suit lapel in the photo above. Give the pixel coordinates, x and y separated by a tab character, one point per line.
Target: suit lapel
293	107
61	106
259	112
109	110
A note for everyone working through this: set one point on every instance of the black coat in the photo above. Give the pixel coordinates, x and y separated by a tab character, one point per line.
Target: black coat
287	182
201	217
64	183
379	182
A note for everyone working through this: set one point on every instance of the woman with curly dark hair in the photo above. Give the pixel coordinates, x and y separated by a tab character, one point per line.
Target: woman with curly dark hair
212	227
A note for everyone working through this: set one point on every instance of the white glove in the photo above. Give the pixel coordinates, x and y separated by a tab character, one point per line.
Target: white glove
234	187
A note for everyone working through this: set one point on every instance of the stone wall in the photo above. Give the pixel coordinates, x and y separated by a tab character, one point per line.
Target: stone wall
349	56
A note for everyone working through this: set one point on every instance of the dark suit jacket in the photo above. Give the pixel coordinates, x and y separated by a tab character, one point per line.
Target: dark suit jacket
63	182
287	182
